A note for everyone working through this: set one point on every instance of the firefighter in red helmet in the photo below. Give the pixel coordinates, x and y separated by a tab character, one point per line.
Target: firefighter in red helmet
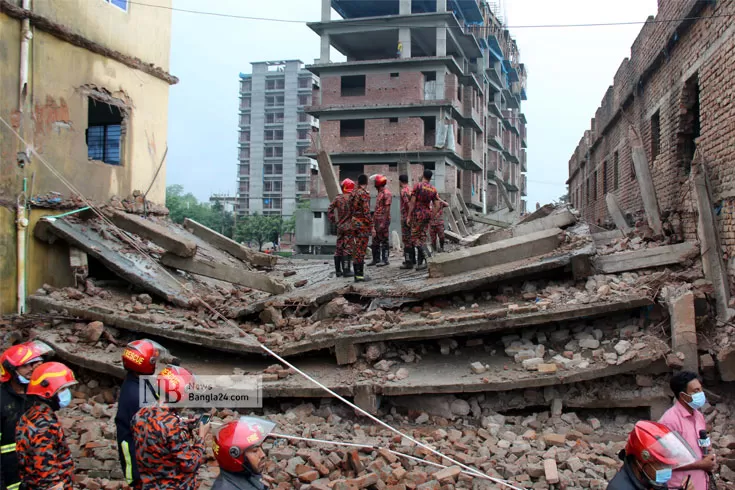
650	456
338	213
44	457
139	359
16	366
381	222
237	449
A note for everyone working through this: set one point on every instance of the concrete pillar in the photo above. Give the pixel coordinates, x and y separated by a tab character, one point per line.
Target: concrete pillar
613	207
441	41
440	172
404	42
441	5
645	182
404	7
326	10
325	45
441	85
684	330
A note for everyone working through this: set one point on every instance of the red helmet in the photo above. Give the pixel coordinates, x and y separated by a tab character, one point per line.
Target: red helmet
21	355
236	437
50	378
651	442
380	180
140	356
178	378
348	185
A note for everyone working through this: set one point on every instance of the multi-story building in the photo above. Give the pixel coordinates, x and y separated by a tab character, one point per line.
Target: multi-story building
88	94
275	134
427	85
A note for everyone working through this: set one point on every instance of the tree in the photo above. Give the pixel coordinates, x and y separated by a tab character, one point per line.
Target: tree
564	199
182	206
259	229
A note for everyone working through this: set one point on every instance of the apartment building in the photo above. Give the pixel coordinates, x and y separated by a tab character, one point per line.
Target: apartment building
274	136
427	85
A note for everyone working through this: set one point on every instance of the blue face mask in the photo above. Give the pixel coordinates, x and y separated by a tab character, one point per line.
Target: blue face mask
698	400
23	380
64	398
663	476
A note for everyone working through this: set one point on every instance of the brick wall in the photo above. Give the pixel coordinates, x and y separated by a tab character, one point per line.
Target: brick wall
380	89
380	135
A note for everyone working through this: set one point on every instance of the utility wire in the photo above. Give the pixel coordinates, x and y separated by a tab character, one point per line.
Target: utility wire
536	26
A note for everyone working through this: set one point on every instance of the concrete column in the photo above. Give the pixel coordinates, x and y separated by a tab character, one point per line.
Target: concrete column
404	41
440	172
441	41
325	45
326	10
441	85
441	5
404	7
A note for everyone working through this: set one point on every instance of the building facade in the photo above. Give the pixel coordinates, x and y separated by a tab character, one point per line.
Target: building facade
675	90
275	134
92	105
427	85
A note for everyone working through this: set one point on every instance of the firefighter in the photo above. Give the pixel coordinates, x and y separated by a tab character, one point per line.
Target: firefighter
237	450
139	358
16	366
362	224
409	253
436	232
650	456
381	222
423	196
168	453
44	458
339	213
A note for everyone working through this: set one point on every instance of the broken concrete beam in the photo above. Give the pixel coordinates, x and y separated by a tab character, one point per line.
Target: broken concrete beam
225	273
605	237
541	212
327	173
366	399
449	220
726	363
488	221
582	262
555	220
613	207
684	330
645	182
645	258
458	220
518	248
462	206
152	231
709	240
221	242
452	236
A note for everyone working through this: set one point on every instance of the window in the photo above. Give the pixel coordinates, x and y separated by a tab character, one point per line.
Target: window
587	190
244	136
304	82
303	117
274	118
474	139
459	135
245	103
303	150
429	130
277	84
273	151
689	123
122	4
244	153
246	85
459	179
393	120
616	171
317	215
273	134
104	132
302	186
304	99
353	85
655	135
604	177
303	134
429	76
274	100
301	168
459	92
352	127
272	203
244	187
272	186
244	169
245	120
273	169
594	186
395	75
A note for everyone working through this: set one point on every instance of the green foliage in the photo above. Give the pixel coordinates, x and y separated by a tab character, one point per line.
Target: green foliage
183	206
259	229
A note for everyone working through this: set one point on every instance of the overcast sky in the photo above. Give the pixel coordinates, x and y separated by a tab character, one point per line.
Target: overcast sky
569	71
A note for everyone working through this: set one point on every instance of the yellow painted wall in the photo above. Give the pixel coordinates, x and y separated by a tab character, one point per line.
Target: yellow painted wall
55	118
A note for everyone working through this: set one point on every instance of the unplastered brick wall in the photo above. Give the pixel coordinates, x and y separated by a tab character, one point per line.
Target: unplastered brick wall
703	56
380	89
407	133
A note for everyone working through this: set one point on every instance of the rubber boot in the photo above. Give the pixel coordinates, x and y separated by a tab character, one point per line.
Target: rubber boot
376	254
441	245
360	273
338	265
406	258
384	252
410	259
422	254
346	263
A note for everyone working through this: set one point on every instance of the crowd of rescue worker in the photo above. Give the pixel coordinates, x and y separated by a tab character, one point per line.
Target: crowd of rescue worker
421	219
160	449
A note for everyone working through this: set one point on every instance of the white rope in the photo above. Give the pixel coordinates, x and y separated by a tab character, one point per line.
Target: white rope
132	243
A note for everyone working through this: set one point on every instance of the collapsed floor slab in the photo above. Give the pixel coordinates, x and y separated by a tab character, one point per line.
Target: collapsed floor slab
645	258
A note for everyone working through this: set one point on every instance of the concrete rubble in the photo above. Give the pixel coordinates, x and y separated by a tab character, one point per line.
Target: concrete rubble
527	362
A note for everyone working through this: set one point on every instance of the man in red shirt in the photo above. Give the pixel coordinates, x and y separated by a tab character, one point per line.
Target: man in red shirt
420	214
381	220
409	253
362	224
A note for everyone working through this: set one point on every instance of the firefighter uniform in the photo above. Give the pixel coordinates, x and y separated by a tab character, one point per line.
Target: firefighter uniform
44	458
168	456
423	195
409	253
127	405
12	406
339	213
436	231
381	220
361	226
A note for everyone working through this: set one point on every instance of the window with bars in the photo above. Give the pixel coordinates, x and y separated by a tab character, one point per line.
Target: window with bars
655	135
245	120
244	169
303	134
244	153
616	171
245	103
303	117
273	169
104	132
246	85
272	186
273	134
304	82
304	99
277	84
274	118
244	136
274	100
302	186
272	203
244	187
301	168
303	150
273	151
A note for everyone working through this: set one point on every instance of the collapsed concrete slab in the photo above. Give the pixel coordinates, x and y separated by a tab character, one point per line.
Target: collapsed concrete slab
604	237
645	258
152	231
505	251
233	248
613	207
559	219
684	330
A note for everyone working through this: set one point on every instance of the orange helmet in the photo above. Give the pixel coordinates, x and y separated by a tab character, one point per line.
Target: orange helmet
21	355
651	442
50	378
380	180
348	185
236	437
140	356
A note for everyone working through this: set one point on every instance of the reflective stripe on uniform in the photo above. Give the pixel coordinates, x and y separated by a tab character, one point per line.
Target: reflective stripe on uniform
14	486
128	462
7	448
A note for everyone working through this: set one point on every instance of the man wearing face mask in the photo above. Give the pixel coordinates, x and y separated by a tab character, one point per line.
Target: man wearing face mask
16	365
650	456
44	458
685	418
237	450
